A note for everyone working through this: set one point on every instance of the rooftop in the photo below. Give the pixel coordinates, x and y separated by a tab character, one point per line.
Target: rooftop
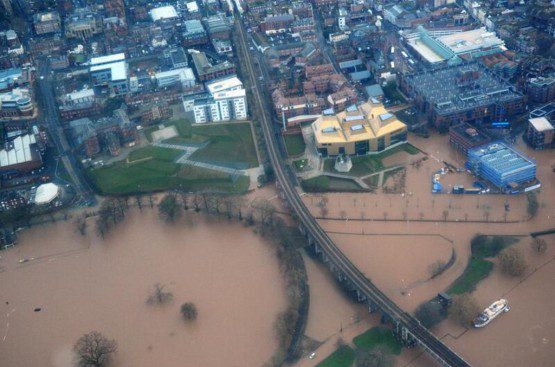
469	133
541	124
472	40
106	59
118	69
501	159
367	121
163	12
18	151
46	193
461	87
219	85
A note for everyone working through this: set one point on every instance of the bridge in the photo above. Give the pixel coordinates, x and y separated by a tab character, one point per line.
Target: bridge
405	325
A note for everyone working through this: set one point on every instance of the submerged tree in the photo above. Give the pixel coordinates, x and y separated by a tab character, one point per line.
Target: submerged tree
189	311
159	296
464	309
94	349
512	261
169	208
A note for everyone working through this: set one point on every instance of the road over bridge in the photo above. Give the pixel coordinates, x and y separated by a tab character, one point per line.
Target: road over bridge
407	327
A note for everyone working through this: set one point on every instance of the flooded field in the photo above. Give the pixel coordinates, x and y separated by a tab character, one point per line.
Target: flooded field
83	284
389	236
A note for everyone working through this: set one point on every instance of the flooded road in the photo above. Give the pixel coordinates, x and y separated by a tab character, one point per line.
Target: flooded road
83	284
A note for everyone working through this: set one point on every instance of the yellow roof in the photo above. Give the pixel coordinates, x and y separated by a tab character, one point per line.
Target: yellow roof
368	121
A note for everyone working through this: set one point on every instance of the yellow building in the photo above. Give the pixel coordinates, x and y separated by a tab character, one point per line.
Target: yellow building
358	130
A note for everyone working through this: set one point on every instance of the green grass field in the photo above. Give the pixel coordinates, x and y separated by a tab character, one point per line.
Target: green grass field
478	268
228	143
376	336
367	164
300	164
152	169
326	183
342	357
295	144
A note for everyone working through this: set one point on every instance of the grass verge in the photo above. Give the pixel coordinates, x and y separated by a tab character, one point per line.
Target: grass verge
327	183
295	144
478	268
342	357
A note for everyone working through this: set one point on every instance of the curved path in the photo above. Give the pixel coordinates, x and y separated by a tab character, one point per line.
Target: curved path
406	324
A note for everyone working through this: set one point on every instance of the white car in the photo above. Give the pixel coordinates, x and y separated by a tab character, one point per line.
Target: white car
312	355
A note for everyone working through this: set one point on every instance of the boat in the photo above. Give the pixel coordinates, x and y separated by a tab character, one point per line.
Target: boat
490	313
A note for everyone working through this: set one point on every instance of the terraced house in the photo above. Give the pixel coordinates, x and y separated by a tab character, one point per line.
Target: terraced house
358	130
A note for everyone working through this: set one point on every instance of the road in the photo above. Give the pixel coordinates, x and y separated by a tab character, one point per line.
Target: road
49	114
426	339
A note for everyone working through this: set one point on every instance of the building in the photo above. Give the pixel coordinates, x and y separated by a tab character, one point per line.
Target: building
20	156
45	23
464	137
83	24
226	100
194	33
163	13
358	130
541	89
78	104
462	93
178	58
111	71
185	76
452	46
206	71
506	168
218	26
540	132
46	193
16	103
14	77
84	137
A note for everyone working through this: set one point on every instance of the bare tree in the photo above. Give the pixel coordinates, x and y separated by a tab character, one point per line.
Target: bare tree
159	296
445	214
197	200
538	245
81	223
512	261
139	201
385	216
464	309
343	214
94	350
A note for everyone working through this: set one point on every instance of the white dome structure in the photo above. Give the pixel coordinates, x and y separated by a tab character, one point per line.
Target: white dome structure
46	193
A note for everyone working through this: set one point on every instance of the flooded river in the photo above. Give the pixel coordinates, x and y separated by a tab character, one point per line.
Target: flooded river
83	284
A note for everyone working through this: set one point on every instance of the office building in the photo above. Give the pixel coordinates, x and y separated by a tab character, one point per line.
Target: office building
185	76
464	137
462	93
540	132
45	23
358	130
194	33
206	71
111	71
506	168
541	89
83	24
16	103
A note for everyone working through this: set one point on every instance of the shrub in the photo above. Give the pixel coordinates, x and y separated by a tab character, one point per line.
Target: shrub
189	311
464	309
429	314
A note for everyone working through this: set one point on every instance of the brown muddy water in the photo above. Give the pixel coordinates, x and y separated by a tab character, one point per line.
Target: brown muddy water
83	284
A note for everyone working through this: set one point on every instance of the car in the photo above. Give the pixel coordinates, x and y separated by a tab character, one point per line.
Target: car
312	355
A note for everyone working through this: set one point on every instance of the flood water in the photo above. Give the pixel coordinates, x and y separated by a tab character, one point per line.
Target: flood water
83	284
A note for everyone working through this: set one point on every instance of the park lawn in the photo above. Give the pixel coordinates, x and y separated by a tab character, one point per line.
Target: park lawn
366	164
478	267
378	336
327	183
342	357
153	169
295	144
476	270
152	152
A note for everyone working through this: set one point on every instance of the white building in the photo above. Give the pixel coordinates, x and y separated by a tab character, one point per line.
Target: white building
226	100
46	193
185	76
163	12
110	70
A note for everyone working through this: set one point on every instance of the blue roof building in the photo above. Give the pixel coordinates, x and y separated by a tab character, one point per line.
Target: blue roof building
501	165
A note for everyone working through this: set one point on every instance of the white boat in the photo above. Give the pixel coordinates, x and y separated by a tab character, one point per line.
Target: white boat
490	313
